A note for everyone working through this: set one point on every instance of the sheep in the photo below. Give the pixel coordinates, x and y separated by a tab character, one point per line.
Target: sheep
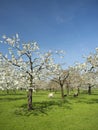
51	95
65	95
75	95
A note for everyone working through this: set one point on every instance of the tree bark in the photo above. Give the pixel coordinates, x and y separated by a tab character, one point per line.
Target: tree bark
89	90
62	91
7	91
68	90
30	106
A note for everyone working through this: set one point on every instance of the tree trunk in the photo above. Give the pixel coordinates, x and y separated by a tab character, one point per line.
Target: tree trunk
89	89
68	90
7	91
30	107
62	91
78	90
14	91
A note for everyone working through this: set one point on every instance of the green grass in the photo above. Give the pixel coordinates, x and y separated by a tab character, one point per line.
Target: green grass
80	113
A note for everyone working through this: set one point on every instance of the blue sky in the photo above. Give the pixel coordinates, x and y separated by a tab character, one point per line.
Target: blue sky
71	25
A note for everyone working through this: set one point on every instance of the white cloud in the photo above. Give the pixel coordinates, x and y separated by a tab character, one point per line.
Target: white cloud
64	19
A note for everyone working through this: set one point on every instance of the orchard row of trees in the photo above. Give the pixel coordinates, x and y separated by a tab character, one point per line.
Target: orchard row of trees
26	67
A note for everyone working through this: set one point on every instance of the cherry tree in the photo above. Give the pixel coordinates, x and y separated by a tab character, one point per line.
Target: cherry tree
79	77
88	80
87	76
53	86
69	78
73	82
91	70
92	60
59	76
10	77
27	58
6	74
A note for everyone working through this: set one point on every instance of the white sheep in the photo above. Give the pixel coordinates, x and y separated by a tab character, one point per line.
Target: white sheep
51	95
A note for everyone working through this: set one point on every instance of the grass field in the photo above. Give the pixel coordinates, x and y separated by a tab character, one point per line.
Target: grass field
74	113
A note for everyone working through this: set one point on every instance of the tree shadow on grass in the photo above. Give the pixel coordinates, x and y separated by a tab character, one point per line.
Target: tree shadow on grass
9	94
94	94
92	101
88	101
42	108
12	98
